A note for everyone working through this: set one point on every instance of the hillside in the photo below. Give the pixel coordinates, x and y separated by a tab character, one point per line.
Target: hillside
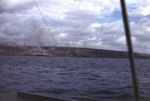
65	52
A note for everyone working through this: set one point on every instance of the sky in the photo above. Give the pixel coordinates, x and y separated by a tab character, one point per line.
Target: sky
75	23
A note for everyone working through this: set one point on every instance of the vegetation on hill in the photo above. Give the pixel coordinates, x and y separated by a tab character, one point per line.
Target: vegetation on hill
65	52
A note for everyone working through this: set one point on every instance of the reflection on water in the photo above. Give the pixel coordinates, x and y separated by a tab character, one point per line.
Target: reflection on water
89	79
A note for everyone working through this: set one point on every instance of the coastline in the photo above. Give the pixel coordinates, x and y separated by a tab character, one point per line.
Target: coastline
66	52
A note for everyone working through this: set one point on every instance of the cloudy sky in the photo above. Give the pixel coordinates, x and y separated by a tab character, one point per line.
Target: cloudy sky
74	23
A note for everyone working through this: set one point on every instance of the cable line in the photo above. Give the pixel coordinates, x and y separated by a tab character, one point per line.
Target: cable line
45	21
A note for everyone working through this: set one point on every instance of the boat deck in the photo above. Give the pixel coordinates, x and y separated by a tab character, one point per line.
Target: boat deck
11	97
22	96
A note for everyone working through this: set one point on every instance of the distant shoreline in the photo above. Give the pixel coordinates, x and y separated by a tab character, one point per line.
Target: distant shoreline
66	52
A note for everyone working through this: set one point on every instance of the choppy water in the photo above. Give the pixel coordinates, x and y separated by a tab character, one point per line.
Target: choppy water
83	79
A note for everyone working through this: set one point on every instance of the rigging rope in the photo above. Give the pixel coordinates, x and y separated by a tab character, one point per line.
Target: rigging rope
45	21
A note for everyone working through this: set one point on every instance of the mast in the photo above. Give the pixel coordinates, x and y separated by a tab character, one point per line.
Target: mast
130	50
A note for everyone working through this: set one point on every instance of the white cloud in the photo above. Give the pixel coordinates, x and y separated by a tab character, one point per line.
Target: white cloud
63	35
138	7
121	40
141	11
92	38
80	23
95	25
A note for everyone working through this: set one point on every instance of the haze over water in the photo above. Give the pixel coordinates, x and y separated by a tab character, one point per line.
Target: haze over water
81	79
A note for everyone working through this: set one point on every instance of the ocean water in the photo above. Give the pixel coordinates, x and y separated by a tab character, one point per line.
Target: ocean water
80	79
